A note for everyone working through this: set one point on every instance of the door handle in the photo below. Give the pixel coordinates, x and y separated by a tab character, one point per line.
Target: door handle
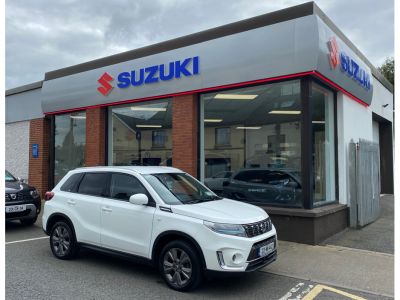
71	202
106	209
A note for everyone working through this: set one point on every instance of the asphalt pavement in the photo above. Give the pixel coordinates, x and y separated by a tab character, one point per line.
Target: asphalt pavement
33	273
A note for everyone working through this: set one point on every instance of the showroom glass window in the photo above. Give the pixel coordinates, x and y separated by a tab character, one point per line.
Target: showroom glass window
140	134
323	138
253	134
69	143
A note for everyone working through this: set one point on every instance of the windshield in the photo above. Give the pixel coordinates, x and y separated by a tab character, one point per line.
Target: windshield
9	177
180	188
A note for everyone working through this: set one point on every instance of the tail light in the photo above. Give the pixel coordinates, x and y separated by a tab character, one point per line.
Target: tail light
48	196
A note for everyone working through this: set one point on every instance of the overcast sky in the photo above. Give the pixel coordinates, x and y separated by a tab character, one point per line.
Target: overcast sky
45	35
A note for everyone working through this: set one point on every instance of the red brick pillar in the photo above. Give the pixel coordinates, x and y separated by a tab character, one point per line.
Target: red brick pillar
39	131
95	154
185	133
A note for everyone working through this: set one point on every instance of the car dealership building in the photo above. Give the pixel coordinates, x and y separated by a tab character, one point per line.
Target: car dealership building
264	109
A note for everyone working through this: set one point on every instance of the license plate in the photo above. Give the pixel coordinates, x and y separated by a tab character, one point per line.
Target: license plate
15	208
267	249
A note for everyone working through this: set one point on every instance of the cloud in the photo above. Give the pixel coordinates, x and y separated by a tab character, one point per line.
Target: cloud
45	35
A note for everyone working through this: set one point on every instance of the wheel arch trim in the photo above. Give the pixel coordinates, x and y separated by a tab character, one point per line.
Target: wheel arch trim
61	216
180	234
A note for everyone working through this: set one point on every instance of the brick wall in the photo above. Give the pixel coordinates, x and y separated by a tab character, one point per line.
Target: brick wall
39	133
184	133
95	137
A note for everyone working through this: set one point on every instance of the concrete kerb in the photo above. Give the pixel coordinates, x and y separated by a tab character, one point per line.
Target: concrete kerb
359	270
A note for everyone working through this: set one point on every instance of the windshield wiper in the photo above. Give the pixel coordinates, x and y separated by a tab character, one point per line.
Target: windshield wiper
211	198
192	201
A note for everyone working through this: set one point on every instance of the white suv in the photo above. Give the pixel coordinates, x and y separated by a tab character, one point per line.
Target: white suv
162	215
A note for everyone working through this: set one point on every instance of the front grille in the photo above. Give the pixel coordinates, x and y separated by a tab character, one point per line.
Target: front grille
258	228
254	250
19	196
262	262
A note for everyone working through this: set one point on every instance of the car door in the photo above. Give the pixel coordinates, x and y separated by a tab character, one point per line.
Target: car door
84	206
125	226
250	186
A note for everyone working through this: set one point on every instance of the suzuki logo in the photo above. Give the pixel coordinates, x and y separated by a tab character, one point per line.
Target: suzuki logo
348	65
105	87
13	196
333	52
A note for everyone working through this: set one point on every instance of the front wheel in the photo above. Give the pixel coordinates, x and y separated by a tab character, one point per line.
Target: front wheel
180	266
62	241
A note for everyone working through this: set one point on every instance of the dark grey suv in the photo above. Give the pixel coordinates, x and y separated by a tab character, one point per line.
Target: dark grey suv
264	186
22	201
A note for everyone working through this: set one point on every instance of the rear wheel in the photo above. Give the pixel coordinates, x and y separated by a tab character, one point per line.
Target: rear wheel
180	266
62	241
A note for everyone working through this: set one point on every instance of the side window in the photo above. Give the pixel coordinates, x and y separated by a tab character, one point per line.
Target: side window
93	184
256	176
279	179
72	183
123	186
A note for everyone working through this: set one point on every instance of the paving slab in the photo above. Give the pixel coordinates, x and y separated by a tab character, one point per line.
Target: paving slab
350	268
377	236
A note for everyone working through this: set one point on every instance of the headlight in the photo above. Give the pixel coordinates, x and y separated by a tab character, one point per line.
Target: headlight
34	193
229	229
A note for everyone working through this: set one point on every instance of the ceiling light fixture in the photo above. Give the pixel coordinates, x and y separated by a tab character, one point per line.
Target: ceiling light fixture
285	112
248	127
213	120
318	122
77	117
148	126
235	96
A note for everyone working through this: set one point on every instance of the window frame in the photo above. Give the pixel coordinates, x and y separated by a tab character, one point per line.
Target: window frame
105	191
76	183
215	135
152	202
305	134
165	138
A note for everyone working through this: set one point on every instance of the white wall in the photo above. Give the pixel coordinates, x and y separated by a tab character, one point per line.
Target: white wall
354	121
381	97
17	148
375	132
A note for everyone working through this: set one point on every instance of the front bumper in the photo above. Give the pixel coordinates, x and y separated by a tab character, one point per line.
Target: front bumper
224	253
31	212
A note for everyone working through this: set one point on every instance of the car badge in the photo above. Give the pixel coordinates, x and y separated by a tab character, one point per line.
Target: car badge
13	196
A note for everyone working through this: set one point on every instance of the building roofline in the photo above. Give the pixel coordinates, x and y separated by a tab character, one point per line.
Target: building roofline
282	15
24	88
286	14
375	72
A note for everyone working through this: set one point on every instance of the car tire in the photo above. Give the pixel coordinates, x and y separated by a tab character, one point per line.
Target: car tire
28	221
62	241
180	266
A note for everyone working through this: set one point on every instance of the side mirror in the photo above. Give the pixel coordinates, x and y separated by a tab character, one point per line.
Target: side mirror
293	184
20	179
139	199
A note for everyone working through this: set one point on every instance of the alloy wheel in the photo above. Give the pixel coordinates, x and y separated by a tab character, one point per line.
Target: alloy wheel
61	240
177	267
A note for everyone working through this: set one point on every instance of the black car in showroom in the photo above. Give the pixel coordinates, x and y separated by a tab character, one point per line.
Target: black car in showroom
264	186
22	201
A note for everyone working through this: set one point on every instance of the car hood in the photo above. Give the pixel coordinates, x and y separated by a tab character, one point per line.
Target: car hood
222	211
14	186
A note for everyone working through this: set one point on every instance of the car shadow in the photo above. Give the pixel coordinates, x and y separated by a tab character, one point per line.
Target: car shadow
221	285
